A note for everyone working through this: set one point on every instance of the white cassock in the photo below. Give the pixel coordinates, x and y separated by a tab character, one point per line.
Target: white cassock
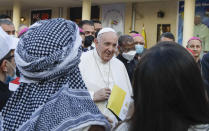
97	75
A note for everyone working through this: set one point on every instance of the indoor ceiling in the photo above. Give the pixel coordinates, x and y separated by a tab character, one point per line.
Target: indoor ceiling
7	4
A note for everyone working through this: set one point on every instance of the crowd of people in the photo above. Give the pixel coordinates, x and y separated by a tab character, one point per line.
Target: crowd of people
87	78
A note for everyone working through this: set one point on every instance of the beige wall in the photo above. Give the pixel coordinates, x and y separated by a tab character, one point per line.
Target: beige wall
128	18
26	14
55	12
146	13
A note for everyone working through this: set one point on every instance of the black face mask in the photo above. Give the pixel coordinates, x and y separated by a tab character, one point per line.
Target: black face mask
88	40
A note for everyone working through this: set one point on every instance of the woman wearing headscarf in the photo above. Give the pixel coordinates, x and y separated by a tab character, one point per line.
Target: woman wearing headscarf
52	95
195	44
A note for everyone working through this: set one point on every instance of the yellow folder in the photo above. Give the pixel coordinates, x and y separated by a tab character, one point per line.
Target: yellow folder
116	100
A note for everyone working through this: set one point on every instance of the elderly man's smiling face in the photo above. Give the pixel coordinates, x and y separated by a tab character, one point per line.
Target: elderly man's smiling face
106	45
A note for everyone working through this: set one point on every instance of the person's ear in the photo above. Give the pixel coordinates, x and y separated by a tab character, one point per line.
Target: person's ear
96	42
119	49
3	66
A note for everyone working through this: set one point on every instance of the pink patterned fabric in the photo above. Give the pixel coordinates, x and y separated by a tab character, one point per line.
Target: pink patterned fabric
23	31
137	35
194	38
81	30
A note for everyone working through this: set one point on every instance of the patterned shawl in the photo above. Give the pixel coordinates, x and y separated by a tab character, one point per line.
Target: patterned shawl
52	94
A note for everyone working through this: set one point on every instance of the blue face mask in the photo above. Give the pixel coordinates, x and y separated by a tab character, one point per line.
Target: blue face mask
139	48
9	78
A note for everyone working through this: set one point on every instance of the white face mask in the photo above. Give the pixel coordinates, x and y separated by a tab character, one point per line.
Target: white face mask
129	55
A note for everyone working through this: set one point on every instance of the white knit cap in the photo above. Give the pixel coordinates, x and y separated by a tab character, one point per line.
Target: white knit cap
7	43
104	30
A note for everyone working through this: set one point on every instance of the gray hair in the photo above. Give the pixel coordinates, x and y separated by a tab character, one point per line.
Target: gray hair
124	39
99	38
5	22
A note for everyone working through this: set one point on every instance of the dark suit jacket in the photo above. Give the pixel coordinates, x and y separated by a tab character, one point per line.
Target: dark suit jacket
130	65
4	94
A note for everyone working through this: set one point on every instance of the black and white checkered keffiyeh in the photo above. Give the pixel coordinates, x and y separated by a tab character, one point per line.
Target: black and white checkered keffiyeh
52	94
